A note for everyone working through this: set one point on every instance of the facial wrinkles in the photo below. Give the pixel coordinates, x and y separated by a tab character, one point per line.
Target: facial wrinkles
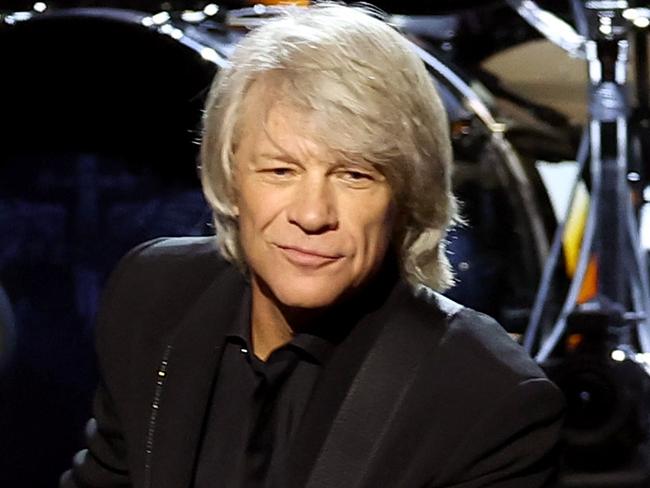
311	214
371	244
317	177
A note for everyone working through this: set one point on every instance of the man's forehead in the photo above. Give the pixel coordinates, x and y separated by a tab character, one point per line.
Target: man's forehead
287	130
279	125
292	135
265	103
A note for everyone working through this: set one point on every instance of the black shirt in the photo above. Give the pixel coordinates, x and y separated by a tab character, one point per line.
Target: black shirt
256	407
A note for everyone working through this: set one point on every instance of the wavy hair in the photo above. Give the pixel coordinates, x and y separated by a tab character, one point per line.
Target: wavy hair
372	98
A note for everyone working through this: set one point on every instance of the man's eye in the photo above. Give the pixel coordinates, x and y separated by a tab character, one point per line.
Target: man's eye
280	171
357	176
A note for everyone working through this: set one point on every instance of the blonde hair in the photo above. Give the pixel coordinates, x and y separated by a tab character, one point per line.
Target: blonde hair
372	98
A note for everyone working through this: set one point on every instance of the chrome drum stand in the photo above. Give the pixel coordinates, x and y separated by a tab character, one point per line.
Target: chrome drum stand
597	350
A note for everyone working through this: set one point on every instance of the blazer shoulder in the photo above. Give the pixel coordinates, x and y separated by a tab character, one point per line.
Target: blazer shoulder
157	282
474	341
190	261
175	252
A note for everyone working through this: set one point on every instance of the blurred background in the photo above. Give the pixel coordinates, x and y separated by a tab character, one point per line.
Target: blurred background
99	127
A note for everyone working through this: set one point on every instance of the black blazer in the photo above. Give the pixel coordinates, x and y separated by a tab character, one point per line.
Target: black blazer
473	411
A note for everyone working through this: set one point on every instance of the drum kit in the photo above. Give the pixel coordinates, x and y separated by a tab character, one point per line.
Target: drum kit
104	103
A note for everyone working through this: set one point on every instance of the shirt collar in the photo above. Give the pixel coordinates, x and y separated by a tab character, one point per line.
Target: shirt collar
240	327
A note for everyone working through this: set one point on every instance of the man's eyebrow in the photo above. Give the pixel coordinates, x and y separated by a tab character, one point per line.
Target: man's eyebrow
287	158
342	161
357	163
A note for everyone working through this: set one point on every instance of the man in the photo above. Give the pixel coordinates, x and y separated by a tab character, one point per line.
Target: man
301	347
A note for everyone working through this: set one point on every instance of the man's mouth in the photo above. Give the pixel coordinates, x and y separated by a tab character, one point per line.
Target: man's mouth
308	257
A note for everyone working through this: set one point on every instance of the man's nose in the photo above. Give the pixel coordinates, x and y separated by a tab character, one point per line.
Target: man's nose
313	208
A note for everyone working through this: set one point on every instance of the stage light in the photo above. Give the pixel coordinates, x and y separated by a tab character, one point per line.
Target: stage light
618	355
160	18
211	9
209	54
193	16
642	22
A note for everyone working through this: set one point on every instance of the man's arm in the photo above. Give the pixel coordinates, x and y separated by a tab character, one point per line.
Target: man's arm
515	445
103	463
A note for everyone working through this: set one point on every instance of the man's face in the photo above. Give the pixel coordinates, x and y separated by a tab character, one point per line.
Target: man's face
312	226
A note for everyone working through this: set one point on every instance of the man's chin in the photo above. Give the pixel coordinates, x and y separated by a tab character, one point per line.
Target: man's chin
308	297
306	301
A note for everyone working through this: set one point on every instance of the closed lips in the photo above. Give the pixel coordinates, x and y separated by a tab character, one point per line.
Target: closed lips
309	252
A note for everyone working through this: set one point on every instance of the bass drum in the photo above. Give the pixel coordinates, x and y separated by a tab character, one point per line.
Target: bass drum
100	120
499	252
100	116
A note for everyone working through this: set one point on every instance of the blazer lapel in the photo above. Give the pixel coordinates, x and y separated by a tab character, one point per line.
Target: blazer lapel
375	399
332	388
361	390
192	367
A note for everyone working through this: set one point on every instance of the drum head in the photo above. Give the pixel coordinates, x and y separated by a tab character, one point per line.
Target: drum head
98	84
99	121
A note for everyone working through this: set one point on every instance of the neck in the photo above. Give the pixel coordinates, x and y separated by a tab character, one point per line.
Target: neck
270	329
274	325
